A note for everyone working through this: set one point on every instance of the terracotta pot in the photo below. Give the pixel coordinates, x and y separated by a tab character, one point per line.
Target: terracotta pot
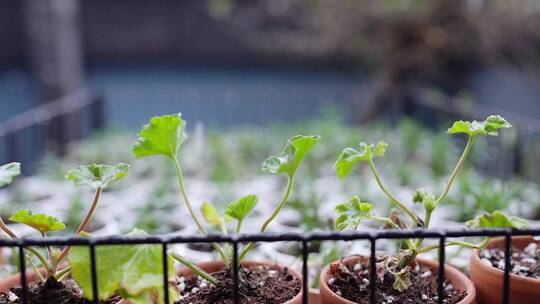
489	280
15	280
458	279
214	266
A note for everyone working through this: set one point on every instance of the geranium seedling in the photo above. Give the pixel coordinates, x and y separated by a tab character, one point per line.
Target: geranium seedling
164	135
352	212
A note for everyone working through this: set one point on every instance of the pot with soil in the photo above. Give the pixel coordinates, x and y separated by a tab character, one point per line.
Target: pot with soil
260	282
347	282
487	271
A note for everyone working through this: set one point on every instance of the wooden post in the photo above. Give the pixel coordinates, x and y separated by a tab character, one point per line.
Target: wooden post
55	53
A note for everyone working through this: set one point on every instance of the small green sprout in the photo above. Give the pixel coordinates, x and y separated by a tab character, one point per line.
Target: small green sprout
352	212
240	209
98	177
164	135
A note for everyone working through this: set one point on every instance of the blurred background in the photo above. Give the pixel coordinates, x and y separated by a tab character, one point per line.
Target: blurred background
79	77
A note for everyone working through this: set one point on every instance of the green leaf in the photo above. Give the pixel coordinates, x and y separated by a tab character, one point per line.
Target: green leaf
497	220
351	213
349	157
134	271
292	155
39	221
210	214
240	208
486	127
8	172
163	135
97	176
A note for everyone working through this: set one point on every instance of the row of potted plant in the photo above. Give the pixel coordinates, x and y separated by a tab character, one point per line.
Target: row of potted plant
133	274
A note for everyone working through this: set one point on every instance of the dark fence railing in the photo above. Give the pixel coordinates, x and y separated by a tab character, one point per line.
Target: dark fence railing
74	116
303	238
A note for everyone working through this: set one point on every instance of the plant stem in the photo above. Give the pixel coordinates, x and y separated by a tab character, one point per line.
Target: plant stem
62	273
34	268
272	216
38	254
49	251
427	220
205	275
200	226
394	200
391	223
456	243
82	227
238	226
458	167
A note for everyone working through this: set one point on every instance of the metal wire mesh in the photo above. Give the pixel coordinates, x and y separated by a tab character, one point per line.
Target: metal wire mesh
303	238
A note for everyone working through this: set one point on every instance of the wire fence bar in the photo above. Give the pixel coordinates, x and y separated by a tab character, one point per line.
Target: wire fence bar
507	268
93	271
165	261
305	272
24	284
236	279
440	275
303	238
373	271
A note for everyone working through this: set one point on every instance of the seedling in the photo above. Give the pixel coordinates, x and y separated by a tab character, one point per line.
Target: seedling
134	272
164	135
352	212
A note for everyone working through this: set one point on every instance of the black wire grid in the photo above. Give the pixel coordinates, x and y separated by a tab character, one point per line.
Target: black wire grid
303	238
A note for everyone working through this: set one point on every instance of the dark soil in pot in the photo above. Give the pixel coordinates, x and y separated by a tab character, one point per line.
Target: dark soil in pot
51	291
525	262
351	281
259	284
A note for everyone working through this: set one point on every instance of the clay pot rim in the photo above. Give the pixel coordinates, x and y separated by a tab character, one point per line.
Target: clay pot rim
516	279
469	298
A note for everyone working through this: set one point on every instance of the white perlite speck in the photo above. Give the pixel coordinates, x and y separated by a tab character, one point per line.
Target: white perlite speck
424	297
331	281
425	274
12	297
357	267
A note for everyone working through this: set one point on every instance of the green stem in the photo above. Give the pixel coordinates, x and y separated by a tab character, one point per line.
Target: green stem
42	259
200	226
238	226
196	269
426	225
49	251
34	268
394	199
272	216
38	254
62	273
391	223
458	167
82	227
456	243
